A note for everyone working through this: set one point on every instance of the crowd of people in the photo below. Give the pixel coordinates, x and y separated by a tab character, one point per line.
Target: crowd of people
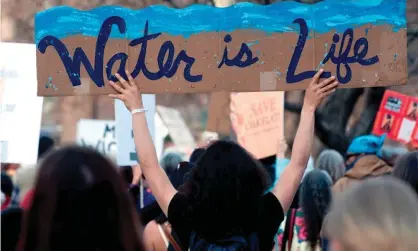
221	198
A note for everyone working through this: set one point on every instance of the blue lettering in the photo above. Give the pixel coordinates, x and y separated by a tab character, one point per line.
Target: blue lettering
72	65
343	57
167	50
237	60
361	48
300	45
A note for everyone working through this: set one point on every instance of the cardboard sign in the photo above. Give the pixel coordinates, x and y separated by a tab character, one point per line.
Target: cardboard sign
161	132
398	118
98	134
177	127
246	48
257	119
124	135
20	108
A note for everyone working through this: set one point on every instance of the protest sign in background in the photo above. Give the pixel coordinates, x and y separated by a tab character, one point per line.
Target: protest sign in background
98	134
257	119
177	127
398	117
247	48
124	135
20	108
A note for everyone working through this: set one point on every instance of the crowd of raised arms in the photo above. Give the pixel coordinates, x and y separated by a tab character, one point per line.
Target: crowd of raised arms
222	199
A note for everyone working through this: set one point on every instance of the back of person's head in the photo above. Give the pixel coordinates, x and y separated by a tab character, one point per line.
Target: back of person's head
333	163
196	154
378	214
224	188
170	162
79	203
315	198
11	220
46	144
127	174
179	176
406	168
6	184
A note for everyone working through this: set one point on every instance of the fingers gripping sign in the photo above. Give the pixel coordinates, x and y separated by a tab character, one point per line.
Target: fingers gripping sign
128	92
318	91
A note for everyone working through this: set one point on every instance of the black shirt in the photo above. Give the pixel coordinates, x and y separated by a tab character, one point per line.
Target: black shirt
269	219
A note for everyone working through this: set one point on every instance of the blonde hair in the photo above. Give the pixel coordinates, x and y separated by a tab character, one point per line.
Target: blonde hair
378	214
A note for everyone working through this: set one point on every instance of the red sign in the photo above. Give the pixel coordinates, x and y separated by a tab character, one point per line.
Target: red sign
398	117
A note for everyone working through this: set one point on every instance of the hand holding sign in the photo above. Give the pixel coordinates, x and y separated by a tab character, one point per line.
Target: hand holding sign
128	92
317	92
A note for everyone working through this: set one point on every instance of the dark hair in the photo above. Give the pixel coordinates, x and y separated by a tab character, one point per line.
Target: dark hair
45	144
224	190
6	184
406	169
127	174
79	203
315	199
11	220
196	154
170	162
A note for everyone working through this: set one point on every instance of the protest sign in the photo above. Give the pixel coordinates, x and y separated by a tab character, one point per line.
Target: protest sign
161	132
20	108
177	127
246	48
124	135
257	119
97	134
398	117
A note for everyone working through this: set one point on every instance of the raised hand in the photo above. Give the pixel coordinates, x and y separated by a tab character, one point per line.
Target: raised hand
318	91
128	92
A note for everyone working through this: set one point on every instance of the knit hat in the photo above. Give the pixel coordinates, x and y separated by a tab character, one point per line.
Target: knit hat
368	144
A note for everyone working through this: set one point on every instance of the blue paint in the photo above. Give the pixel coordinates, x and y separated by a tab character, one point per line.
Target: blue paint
244	52
360	50
65	21
50	85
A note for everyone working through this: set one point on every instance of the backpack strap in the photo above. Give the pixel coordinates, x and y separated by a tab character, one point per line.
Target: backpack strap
163	235
171	239
292	224
288	230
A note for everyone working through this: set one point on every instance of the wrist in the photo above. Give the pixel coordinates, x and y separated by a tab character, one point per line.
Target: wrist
308	109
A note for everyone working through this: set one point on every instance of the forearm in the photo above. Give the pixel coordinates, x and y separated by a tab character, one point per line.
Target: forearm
302	146
143	142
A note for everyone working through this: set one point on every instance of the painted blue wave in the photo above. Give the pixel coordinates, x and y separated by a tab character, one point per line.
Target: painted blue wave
322	17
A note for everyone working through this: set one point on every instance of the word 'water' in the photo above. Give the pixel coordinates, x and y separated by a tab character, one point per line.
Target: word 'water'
169	62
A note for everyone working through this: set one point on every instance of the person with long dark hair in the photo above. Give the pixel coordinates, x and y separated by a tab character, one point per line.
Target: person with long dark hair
223	203
80	203
305	223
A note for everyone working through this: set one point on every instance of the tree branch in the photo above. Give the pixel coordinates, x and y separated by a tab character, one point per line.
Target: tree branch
365	123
